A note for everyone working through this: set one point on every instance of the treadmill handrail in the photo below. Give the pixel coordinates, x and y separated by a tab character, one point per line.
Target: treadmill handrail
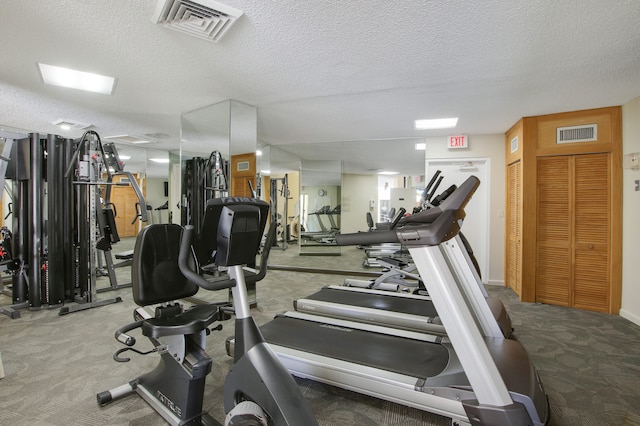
445	227
456	201
185	253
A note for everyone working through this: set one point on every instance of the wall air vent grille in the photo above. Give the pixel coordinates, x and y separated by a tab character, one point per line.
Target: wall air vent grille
206	19
571	134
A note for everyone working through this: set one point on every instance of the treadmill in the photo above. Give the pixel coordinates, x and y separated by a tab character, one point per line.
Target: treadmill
407	311
469	375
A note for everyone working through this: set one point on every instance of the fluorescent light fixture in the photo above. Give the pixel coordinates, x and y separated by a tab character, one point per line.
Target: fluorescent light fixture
127	138
258	153
265	172
124	157
421	147
388	173
436	123
159	160
66	77
70	124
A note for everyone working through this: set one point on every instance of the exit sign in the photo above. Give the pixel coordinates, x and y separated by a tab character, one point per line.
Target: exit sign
457	142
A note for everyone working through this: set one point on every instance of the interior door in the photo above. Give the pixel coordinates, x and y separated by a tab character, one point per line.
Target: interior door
514	227
125	200
574	231
592	232
554	272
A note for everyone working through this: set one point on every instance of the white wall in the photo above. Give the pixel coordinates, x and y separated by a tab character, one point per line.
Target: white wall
630	215
491	147
357	190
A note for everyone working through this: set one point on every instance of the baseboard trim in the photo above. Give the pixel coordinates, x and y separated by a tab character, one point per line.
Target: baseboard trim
496	282
630	316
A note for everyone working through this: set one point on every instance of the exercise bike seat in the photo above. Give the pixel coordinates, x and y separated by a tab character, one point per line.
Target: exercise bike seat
156	278
192	321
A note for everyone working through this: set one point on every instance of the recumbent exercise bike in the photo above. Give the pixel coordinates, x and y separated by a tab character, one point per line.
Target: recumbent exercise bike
258	390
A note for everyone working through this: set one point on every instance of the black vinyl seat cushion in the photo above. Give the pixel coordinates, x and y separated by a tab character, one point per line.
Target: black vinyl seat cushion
192	321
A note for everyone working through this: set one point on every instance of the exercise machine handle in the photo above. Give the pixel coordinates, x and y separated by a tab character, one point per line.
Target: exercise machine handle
112	207
122	336
185	254
397	218
138	214
366	238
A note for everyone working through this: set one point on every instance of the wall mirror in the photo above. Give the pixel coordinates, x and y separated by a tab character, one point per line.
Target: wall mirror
281	187
217	157
320	207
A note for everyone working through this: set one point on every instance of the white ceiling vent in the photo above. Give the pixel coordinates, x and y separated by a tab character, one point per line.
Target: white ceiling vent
71	124
571	134
205	19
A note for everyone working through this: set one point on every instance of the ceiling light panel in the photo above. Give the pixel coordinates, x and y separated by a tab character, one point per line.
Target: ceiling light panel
73	79
128	139
71	124
436	123
206	19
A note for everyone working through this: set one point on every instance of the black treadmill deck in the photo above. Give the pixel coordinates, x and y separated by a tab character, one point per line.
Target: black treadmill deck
391	353
405	305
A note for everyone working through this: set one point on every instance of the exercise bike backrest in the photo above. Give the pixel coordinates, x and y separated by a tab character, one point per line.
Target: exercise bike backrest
232	232
207	243
155	275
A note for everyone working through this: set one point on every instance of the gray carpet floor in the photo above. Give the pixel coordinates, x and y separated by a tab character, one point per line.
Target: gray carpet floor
54	365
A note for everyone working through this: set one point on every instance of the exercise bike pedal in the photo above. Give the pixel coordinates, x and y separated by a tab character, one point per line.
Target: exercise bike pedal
246	413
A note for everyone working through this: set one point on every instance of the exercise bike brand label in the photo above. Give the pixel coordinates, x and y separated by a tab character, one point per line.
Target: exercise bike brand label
457	142
168	403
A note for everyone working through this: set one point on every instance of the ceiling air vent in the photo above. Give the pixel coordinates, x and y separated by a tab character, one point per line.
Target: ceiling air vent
571	134
206	19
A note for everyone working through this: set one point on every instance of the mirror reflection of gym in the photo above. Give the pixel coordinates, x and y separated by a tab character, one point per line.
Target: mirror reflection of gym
320	207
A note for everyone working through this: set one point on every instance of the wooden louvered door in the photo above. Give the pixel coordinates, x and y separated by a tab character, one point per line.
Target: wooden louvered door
573	229
514	227
591	233
553	271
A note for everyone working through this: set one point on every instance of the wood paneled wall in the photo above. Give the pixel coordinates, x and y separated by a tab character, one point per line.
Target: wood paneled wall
564	211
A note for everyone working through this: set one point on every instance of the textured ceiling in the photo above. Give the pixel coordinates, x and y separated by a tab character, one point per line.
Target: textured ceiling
323	71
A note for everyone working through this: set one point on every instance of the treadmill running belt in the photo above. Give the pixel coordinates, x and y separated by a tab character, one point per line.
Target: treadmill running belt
390	303
391	353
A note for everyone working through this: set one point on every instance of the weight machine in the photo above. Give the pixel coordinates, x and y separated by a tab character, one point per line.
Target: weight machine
59	222
202	180
279	191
